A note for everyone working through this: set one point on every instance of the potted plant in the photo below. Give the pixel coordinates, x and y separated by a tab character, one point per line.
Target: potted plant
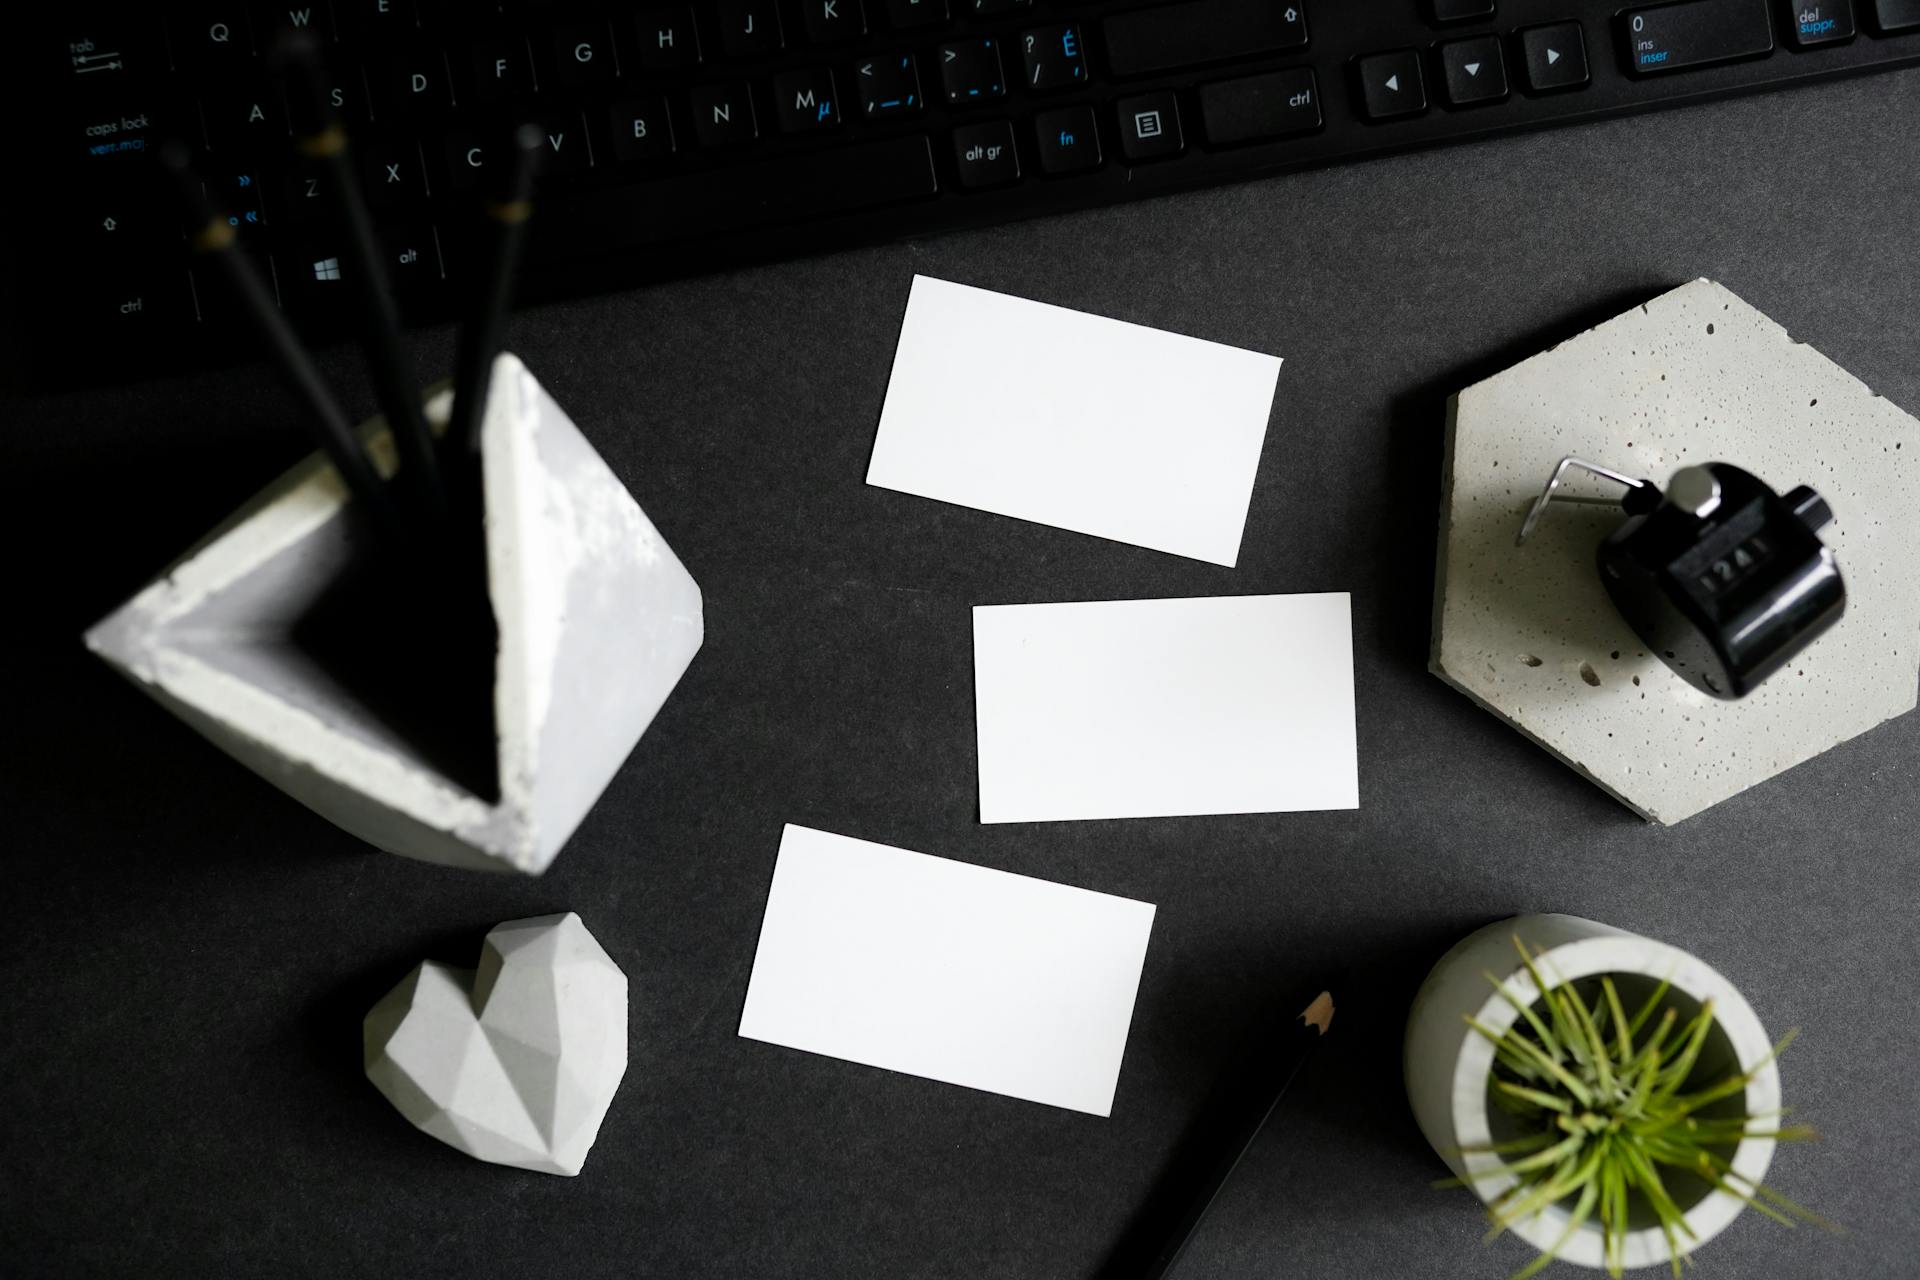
1612	1099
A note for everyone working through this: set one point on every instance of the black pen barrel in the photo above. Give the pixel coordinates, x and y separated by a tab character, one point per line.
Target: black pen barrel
213	239
504	219
320	137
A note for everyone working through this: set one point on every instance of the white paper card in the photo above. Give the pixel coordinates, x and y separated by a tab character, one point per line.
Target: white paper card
1073	420
1151	708
945	970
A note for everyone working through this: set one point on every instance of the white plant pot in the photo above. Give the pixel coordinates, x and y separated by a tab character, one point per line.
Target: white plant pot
1447	1062
596	620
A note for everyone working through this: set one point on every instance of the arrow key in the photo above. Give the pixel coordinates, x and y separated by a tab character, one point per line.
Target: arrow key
1390	85
1556	57
1473	70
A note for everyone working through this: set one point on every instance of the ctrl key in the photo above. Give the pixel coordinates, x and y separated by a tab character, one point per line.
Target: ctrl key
128	303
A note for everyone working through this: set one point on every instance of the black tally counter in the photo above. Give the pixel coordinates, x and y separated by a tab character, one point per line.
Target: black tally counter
1722	577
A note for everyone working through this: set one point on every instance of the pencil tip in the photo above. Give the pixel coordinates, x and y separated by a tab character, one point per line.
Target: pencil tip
1319	1014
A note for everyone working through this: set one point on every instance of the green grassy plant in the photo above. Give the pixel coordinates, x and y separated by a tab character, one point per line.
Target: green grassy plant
1609	1117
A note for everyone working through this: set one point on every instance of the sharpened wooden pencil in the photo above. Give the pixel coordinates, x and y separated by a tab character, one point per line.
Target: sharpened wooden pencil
213	239
1275	1066
504	215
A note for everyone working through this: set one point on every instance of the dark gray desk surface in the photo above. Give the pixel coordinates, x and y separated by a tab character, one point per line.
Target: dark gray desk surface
187	954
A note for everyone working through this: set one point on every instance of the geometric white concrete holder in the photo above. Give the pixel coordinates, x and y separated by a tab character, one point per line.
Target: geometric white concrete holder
1447	1063
515	1062
1528	632
597	619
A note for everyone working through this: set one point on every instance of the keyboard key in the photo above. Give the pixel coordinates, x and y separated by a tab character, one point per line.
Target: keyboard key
413	81
314	285
970	71
390	172
369	22
496	70
239	191
303	192
1473	71
1201	31
1391	85
985	155
113	220
410	253
1150	127
641	129
723	114
103	52
124	305
252	119
345	87
112	130
833	21
1460	10
749	28
213	297
906	15
1556	57
215	37
1069	140
666	39
581	53
1264	106
1893	16
736	197
889	86
466	160
1696	33
274	20
566	148
1810	25
805	101
1053	57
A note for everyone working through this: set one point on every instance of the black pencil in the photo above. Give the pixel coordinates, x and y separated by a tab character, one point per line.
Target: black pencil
319	136
214	239
505	217
1274	1066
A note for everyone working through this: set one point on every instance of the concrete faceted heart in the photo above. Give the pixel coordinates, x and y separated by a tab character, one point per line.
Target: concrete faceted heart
515	1062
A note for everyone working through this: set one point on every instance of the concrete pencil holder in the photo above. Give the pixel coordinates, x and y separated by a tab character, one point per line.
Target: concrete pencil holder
596	621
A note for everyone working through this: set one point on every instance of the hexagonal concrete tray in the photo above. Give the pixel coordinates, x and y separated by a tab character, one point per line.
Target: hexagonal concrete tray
1695	375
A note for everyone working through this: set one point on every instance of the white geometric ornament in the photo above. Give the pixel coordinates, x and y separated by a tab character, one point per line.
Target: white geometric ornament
1529	633
596	618
516	1062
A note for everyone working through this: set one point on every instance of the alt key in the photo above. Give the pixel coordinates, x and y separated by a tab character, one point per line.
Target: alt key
985	155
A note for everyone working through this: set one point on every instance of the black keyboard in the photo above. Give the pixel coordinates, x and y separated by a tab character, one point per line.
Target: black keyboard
682	137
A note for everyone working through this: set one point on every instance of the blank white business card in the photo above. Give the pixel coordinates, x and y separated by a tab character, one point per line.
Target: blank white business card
1074	420
1152	708
944	970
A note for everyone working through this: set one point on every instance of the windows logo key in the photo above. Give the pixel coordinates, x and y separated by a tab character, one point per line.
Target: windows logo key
327	269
